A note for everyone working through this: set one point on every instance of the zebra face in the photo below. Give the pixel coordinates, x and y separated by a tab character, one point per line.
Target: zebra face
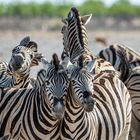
23	57
56	85
82	84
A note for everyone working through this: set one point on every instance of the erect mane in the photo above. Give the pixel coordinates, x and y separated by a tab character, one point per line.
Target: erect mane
55	61
125	64
79	25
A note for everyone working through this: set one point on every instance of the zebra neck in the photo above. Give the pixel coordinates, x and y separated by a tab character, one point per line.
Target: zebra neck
76	119
22	80
74	56
73	107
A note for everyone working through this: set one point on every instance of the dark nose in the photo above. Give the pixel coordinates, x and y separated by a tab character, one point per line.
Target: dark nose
58	109
89	101
86	94
17	59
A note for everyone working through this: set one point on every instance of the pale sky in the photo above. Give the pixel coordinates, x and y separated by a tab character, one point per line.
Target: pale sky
108	2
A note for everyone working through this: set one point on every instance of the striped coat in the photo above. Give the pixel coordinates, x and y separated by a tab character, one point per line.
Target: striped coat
127	62
35	113
111	115
16	72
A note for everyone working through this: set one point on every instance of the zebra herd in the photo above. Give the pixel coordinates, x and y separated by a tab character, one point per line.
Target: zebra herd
80	97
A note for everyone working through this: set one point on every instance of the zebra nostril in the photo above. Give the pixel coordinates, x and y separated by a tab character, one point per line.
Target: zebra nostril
18	60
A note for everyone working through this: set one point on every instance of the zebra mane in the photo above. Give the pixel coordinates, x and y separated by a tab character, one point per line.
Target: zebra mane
81	60
55	61
125	65
32	45
79	25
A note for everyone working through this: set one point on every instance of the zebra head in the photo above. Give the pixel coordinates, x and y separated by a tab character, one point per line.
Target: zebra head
74	34
23	57
56	85
82	84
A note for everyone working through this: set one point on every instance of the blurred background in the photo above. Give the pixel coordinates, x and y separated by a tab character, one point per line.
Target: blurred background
114	21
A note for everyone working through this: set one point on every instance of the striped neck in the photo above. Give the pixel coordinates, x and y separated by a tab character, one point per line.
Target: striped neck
75	40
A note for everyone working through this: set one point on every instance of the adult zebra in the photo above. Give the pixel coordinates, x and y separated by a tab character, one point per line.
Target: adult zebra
75	41
35	113
16	72
127	62
96	107
78	124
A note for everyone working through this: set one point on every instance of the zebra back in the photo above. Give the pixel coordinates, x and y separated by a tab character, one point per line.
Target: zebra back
122	58
127	62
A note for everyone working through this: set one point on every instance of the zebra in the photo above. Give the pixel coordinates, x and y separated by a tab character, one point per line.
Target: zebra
75	41
16	72
36	113
3	66
119	55
97	107
127	63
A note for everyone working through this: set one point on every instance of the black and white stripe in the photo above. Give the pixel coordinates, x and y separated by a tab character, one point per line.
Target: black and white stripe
35	113
75	41
17	72
127	62
112	114
110	118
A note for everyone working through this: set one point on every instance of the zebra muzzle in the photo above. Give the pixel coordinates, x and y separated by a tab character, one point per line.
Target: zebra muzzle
17	62
89	102
58	110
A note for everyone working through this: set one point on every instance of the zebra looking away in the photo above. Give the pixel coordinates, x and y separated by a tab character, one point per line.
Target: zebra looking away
75	41
24	56
35	113
98	107
127	62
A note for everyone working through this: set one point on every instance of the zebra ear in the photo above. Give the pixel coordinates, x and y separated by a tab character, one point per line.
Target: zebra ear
25	41
91	66
85	19
36	59
32	45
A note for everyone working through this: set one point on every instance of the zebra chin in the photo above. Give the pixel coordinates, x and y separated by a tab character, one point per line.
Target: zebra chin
89	105
58	111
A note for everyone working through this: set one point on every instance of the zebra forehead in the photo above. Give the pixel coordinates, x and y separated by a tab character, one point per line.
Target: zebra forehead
19	48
